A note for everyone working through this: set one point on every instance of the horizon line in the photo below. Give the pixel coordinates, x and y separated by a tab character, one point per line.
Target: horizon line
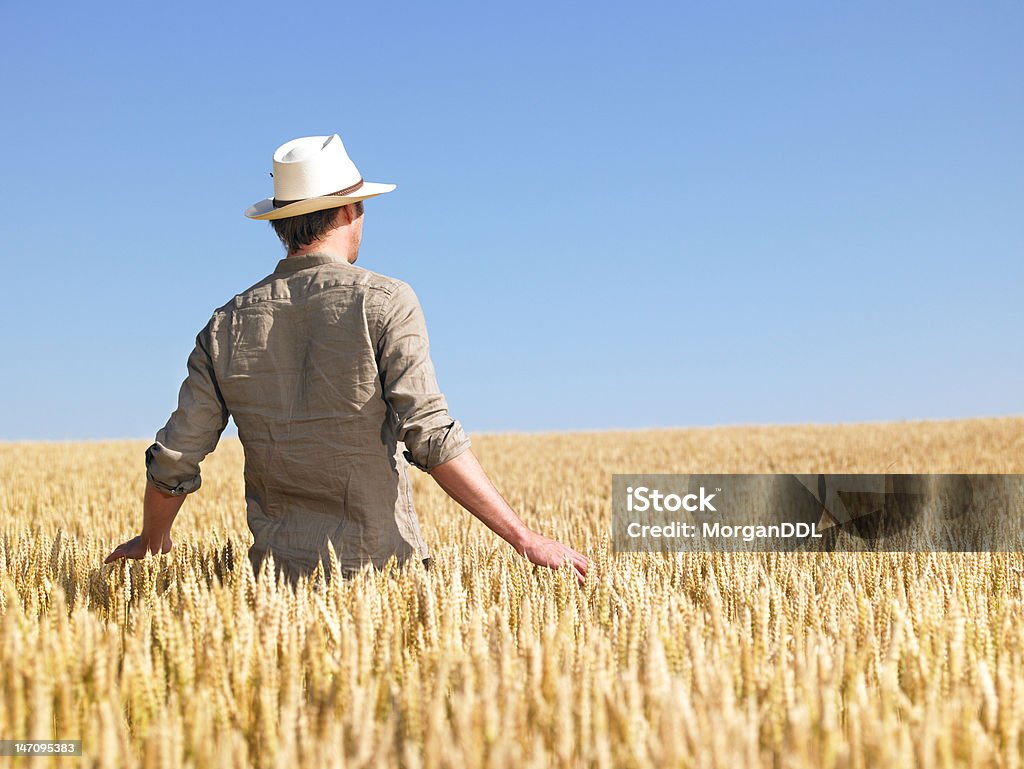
587	430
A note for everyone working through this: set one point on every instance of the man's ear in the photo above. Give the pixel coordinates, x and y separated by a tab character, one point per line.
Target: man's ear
345	214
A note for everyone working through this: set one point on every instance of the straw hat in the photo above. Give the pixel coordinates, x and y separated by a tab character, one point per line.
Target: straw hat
311	174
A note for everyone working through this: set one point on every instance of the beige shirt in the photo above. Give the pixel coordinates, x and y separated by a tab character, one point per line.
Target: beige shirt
325	368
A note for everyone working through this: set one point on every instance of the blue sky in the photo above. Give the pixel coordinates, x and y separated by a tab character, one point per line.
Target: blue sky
614	215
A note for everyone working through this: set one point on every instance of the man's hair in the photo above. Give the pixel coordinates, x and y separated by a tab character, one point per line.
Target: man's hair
295	232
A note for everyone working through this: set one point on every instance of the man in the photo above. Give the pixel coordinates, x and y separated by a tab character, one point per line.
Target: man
326	370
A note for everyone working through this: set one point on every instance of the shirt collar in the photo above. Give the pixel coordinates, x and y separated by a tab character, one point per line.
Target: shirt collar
293	263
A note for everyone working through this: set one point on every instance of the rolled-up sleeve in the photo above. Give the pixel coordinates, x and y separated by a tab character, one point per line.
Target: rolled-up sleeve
409	383
193	430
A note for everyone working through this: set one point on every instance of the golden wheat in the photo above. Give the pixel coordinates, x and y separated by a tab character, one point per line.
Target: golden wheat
703	660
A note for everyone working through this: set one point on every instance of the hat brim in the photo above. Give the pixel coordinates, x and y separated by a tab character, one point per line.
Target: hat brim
265	208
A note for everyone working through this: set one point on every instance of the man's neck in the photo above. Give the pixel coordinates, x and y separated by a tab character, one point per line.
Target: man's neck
322	248
315	249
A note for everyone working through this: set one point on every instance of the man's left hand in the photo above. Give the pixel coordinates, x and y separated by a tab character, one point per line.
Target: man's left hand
137	548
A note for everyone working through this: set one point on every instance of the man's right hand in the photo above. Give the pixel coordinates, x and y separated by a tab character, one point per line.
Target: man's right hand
543	551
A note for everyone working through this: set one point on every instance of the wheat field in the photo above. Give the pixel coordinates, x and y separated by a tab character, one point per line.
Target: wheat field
690	660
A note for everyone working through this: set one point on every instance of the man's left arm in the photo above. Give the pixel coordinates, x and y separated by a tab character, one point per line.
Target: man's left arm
172	461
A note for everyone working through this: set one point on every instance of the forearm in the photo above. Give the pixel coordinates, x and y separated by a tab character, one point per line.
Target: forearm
158	512
465	481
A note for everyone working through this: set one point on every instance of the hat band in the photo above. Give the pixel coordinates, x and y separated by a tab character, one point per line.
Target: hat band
339	193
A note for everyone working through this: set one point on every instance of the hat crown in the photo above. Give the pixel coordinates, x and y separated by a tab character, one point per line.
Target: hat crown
312	166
